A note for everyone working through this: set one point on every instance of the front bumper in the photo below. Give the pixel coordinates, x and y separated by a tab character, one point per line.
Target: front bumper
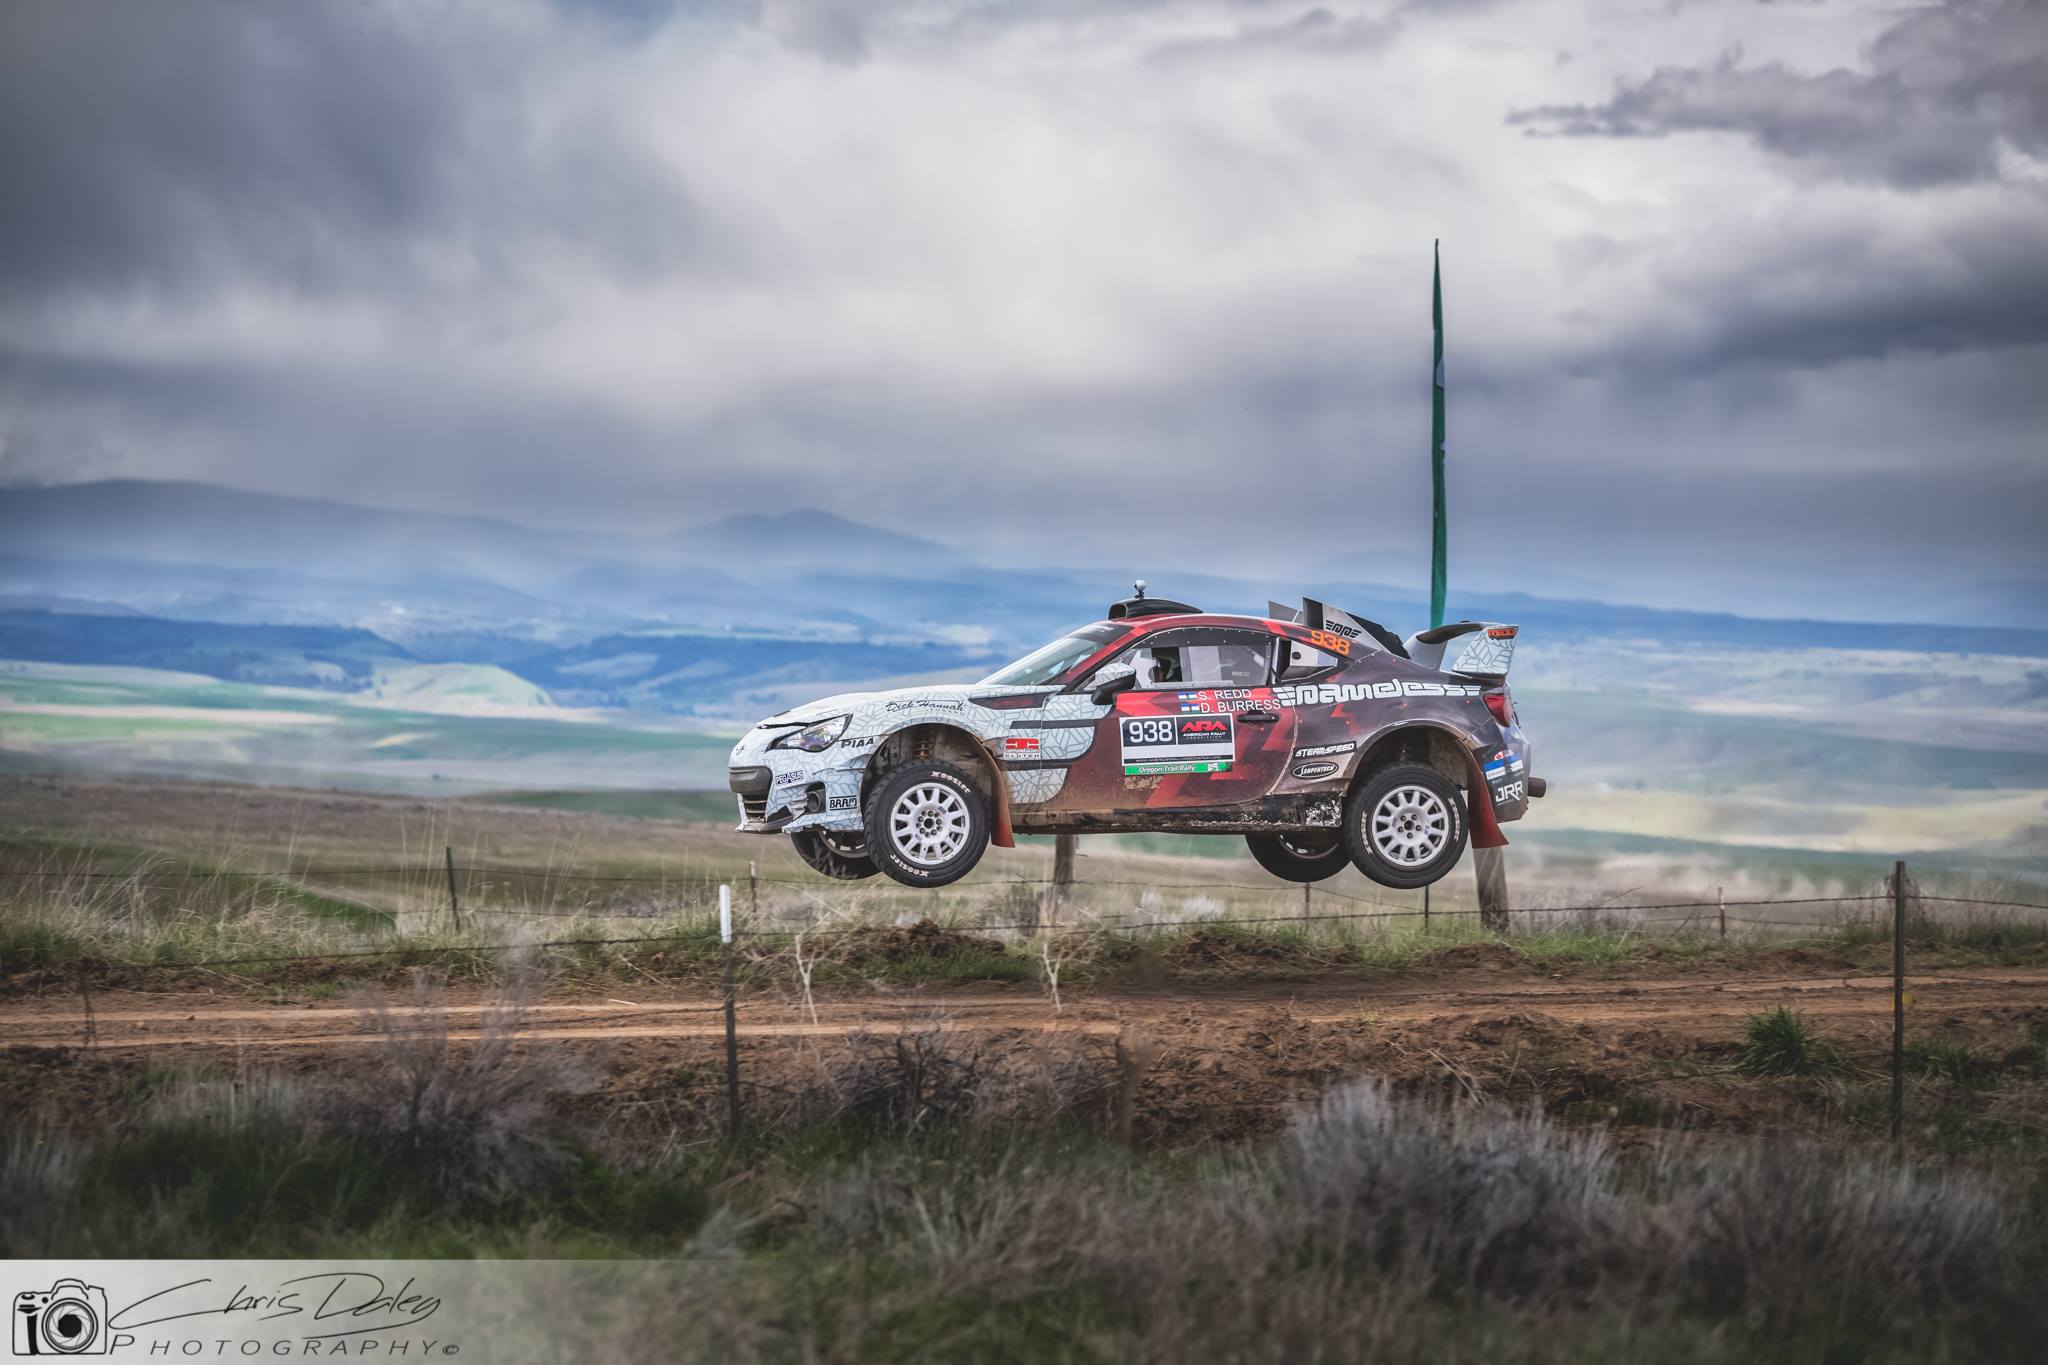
785	790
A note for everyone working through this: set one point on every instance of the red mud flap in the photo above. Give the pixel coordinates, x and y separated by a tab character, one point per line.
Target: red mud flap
1002	835
1486	831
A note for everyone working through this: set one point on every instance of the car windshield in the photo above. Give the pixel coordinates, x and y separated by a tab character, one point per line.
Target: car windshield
1043	666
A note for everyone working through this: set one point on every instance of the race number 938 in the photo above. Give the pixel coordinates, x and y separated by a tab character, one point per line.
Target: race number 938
1149	730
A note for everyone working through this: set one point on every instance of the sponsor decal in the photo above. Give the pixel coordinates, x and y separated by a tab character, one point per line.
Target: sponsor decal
1349	632
1327	750
927	704
860	742
1309	772
1336	644
1330	694
1501	632
788	779
1021	744
1202	743
843	803
1511	791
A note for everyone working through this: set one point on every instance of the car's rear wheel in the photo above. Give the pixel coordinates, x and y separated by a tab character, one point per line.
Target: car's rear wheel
1405	825
836	854
927	824
1305	856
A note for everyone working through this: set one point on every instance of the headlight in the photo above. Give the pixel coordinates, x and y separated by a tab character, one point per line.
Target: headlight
814	738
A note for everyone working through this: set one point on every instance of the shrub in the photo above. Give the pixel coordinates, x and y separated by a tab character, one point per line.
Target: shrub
1492	1200
1782	1043
1950	1061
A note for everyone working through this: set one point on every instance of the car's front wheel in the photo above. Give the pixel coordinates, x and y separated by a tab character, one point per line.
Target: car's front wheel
1307	856
1405	825
843	856
927	824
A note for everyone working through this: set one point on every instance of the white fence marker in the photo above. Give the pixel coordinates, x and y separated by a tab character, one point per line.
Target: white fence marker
724	914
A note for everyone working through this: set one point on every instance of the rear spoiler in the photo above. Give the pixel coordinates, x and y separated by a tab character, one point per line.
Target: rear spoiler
1316	616
1478	649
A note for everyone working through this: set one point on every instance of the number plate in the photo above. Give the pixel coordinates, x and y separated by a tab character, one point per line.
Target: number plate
1178	744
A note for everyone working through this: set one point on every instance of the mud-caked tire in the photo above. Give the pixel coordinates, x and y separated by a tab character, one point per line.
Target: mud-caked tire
1405	825
1304	856
927	824
843	857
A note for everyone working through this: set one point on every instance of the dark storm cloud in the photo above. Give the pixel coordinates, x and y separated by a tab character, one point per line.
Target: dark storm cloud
321	146
1814	295
605	262
1943	88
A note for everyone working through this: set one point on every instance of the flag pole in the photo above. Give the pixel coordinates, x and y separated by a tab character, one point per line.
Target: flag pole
1439	536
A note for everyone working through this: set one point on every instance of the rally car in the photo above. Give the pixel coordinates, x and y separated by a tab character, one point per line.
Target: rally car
1319	736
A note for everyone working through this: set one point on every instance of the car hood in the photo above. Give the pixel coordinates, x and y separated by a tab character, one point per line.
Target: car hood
908	696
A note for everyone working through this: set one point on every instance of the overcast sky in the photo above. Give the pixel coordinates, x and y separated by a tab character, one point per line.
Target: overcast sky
1747	302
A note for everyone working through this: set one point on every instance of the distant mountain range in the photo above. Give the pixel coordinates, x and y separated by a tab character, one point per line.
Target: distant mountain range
215	580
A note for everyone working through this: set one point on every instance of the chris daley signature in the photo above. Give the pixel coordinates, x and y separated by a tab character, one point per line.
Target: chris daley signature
340	1302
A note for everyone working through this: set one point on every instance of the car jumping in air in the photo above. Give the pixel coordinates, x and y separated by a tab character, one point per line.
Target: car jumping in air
1319	736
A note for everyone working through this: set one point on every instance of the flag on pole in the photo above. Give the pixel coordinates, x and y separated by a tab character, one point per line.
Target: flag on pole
1438	576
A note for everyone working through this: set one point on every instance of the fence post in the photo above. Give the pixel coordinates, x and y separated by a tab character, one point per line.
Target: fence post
1898	998
1490	865
1062	876
454	908
753	894
1425	909
1308	911
1721	904
732	1036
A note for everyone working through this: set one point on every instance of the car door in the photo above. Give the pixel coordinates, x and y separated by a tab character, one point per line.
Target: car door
1199	731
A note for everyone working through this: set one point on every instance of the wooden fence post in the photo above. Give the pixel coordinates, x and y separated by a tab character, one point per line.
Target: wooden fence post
1062	876
732	1036
1308	889
1898	998
454	908
1491	867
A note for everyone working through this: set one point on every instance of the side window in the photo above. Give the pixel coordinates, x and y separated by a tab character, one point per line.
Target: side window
1304	661
1175	660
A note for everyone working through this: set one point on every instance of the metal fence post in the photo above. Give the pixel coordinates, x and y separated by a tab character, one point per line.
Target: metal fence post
454	908
1425	909
1721	904
1308	889
753	893
1898	998
732	1036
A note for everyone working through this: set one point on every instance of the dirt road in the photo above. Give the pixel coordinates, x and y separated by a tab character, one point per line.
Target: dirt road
1675	1006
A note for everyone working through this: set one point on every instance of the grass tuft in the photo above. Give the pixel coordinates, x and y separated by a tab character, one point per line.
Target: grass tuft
1783	1043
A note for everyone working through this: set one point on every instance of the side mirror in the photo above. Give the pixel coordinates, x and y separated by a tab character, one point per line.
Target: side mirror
1114	678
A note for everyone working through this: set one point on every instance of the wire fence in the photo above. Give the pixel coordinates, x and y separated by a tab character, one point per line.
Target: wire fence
1044	901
